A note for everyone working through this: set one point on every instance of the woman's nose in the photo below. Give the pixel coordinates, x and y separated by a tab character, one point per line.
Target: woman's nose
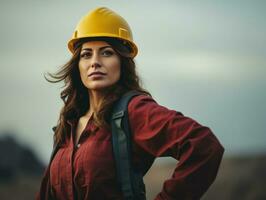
96	65
95	62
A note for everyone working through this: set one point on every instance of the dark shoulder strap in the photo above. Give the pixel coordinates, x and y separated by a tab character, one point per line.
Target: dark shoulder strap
121	138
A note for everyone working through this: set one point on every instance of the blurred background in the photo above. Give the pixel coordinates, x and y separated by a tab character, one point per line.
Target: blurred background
206	59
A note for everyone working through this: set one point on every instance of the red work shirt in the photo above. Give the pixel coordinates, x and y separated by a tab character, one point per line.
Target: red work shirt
87	171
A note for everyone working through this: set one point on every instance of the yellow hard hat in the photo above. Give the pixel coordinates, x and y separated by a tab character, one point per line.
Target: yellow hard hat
103	22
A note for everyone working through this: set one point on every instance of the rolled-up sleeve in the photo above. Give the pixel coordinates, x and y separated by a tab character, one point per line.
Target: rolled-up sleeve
163	132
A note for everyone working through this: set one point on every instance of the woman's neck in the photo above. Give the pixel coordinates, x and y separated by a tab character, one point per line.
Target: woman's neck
95	98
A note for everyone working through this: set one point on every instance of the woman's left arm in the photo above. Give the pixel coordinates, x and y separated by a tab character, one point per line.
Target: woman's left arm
163	132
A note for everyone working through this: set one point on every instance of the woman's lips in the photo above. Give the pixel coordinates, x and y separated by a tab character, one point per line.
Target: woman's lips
97	74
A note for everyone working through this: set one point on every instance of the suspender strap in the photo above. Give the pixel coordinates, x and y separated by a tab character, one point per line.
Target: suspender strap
122	146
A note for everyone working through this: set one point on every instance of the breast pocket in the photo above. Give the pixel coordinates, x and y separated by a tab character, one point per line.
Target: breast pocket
98	162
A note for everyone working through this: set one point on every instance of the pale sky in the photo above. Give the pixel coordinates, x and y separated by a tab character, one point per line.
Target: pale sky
206	59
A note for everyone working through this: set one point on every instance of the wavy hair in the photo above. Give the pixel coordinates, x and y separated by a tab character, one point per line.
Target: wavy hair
75	95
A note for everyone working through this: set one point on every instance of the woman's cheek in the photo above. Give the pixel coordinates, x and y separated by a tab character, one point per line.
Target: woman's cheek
83	74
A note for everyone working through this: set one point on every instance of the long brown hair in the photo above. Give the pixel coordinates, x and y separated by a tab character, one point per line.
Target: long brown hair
75	94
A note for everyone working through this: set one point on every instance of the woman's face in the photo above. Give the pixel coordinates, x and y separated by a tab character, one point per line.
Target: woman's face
99	65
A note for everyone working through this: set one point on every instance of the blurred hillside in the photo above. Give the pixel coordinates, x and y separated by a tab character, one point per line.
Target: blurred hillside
20	170
239	178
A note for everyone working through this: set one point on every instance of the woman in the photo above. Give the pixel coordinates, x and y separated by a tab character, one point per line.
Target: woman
100	71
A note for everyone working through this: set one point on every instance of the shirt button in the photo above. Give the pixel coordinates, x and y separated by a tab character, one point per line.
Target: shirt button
78	145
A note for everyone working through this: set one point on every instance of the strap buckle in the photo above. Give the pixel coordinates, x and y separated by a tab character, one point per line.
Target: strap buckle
117	115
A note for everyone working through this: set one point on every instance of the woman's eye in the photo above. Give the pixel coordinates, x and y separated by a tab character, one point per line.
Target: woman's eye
107	53
85	55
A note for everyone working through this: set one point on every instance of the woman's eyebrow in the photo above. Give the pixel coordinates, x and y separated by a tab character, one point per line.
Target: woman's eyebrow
101	48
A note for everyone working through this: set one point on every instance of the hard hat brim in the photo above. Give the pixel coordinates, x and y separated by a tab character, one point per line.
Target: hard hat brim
132	45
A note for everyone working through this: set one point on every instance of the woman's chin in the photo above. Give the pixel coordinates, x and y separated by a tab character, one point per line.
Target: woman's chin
100	87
